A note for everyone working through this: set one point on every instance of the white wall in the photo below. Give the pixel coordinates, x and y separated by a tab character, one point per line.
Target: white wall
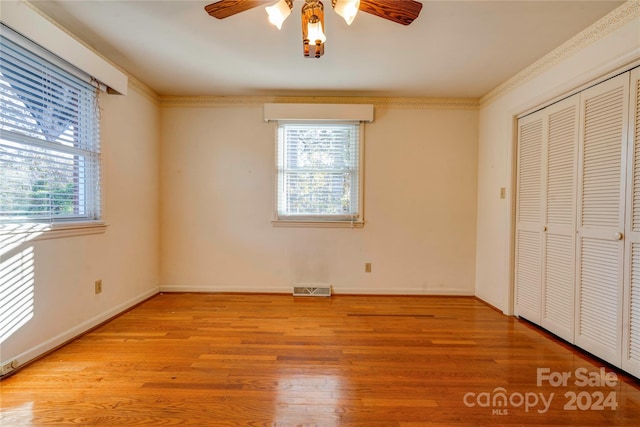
61	295
615	44
217	168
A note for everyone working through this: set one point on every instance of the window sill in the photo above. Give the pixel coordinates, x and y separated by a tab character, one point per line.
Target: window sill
317	224
36	231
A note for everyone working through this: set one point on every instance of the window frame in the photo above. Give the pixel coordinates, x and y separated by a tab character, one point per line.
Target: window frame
87	217
329	221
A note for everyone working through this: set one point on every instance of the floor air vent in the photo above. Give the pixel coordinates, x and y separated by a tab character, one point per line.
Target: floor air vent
312	291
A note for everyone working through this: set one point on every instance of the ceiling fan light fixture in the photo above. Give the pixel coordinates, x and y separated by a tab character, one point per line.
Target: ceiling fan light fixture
313	36
279	12
348	9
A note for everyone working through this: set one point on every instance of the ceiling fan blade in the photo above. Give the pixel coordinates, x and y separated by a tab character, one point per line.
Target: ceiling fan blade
225	8
400	11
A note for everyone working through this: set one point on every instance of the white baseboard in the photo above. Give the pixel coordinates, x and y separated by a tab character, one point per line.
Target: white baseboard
406	291
75	332
226	289
335	290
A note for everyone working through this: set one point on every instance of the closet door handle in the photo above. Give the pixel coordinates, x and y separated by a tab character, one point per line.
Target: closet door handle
618	236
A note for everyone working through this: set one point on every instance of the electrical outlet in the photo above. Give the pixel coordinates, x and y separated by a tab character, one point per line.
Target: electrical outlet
503	192
6	368
9	367
98	286
367	267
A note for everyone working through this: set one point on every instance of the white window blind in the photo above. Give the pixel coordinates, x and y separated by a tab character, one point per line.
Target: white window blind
49	137
319	172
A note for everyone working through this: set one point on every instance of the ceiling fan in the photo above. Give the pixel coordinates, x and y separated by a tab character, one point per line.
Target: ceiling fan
400	11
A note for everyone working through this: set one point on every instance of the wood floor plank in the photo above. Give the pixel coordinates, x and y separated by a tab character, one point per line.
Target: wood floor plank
276	360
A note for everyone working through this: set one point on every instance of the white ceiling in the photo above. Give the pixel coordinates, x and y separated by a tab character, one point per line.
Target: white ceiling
454	49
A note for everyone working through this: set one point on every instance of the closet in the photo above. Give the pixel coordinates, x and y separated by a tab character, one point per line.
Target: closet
577	235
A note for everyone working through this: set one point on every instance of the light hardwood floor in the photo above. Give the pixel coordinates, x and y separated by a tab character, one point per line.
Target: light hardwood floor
276	360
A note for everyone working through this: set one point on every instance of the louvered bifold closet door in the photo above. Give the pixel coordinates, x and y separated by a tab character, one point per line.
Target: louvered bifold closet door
631	308
601	192
558	282
529	208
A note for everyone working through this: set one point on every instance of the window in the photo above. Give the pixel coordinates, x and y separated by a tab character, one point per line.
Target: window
319	172
49	137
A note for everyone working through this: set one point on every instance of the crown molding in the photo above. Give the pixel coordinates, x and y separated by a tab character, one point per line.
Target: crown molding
617	18
379	102
143	89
